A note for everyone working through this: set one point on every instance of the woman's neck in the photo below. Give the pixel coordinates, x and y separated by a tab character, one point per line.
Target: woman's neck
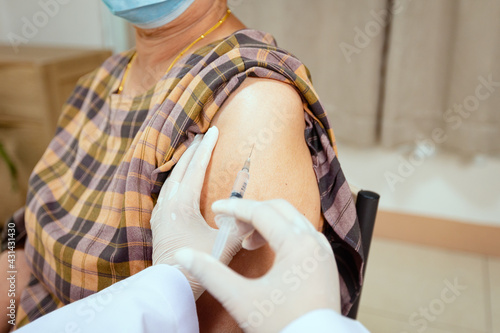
157	47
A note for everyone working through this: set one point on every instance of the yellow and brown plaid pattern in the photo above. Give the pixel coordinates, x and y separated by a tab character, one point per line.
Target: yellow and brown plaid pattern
92	193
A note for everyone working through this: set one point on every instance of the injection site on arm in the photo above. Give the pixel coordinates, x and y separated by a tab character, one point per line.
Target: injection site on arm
227	223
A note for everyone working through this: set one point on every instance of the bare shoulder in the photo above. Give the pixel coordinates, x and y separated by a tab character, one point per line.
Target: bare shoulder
266	116
258	101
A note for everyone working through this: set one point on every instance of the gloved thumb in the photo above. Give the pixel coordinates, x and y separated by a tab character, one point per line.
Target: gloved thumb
222	282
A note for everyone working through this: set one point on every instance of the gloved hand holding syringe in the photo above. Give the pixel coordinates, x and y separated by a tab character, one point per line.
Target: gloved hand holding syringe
177	222
227	223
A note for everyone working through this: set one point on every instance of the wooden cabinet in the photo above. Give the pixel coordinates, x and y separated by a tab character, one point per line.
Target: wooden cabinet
34	84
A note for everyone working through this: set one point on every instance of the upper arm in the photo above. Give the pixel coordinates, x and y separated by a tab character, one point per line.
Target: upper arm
270	115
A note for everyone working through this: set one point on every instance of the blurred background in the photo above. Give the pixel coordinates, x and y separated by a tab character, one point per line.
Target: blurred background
412	88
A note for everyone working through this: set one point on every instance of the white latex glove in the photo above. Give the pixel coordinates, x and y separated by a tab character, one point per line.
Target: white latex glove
304	276
176	221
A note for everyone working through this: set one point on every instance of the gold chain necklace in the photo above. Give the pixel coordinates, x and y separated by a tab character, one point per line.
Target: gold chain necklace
129	65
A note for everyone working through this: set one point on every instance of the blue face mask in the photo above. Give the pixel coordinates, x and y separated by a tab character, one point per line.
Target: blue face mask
148	14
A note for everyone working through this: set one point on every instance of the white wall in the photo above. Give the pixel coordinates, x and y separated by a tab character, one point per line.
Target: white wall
3	18
81	23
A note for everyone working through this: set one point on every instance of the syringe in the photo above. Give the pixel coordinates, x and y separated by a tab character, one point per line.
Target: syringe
226	222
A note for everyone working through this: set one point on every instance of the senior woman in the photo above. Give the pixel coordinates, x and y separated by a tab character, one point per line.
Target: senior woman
86	224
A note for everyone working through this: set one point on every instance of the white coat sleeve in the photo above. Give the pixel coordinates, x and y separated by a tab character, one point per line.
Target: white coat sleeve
158	299
324	320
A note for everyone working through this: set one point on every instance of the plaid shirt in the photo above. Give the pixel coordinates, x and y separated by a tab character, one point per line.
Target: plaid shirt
91	195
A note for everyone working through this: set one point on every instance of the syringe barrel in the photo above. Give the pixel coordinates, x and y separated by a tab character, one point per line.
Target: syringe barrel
226	224
240	185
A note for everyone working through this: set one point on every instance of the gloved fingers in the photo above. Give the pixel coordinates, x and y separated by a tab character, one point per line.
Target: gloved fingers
244	229
168	190
180	168
189	215
197	168
251	238
222	282
291	214
295	218
253	241
263	216
233	246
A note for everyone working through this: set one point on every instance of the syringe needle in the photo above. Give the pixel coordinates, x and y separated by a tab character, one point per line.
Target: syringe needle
251	151
225	222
